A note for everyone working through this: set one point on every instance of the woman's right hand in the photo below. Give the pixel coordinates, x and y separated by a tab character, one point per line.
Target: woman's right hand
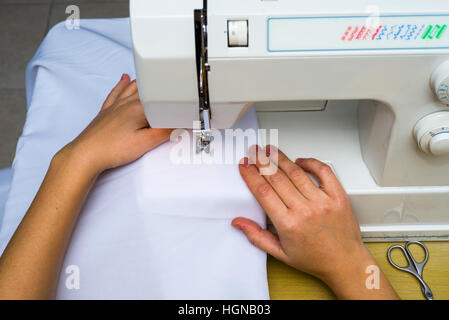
317	230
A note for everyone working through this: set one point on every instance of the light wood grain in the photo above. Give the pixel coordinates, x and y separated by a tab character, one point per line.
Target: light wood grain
288	283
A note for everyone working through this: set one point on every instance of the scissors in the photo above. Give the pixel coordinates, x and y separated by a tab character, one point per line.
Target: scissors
413	267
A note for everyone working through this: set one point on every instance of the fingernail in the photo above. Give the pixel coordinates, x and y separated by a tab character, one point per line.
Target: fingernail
299	160
123	76
245	162
237	226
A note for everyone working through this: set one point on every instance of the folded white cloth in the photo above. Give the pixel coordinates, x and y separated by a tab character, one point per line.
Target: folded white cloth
152	229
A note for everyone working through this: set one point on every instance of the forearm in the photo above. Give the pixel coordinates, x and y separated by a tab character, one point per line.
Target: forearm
31	263
360	279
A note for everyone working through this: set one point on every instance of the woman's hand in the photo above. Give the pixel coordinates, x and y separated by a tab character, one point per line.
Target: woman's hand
119	134
30	264
317	230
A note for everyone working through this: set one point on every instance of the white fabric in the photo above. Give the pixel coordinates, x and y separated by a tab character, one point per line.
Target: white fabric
151	229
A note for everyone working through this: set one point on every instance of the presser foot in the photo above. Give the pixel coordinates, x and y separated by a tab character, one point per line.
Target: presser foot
203	140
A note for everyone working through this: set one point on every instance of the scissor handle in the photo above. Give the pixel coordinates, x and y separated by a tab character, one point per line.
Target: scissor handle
409	268
419	266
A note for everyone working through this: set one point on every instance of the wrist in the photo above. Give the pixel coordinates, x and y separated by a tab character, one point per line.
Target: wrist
74	158
348	278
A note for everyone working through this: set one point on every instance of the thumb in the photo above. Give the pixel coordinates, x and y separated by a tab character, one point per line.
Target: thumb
263	239
155	137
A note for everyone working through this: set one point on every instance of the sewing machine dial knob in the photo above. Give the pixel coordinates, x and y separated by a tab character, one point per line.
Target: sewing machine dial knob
432	133
440	82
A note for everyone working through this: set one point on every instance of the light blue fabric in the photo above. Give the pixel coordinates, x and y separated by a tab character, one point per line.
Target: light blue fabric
5	183
66	83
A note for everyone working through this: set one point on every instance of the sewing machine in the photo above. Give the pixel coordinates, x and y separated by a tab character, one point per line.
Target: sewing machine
362	85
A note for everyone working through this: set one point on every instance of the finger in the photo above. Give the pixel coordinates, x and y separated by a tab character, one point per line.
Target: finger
115	93
134	111
131	89
262	191
263	239
132	99
296	174
324	173
286	190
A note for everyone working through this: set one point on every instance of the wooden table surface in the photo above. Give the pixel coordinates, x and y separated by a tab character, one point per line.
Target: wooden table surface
290	284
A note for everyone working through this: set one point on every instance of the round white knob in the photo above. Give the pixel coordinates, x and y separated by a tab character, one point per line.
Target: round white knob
440	82
439	144
432	133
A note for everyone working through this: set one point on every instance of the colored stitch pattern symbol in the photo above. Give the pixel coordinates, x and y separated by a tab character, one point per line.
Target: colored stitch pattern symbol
394	32
443	91
433	134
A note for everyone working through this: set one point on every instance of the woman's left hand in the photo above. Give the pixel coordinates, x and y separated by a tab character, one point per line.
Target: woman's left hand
119	134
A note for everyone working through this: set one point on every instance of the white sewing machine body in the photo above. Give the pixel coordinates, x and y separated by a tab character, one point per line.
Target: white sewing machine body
364	82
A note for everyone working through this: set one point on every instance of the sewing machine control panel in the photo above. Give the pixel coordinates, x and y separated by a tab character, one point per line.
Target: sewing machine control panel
357	33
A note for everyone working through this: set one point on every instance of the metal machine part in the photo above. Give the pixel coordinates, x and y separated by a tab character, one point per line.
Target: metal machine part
203	136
